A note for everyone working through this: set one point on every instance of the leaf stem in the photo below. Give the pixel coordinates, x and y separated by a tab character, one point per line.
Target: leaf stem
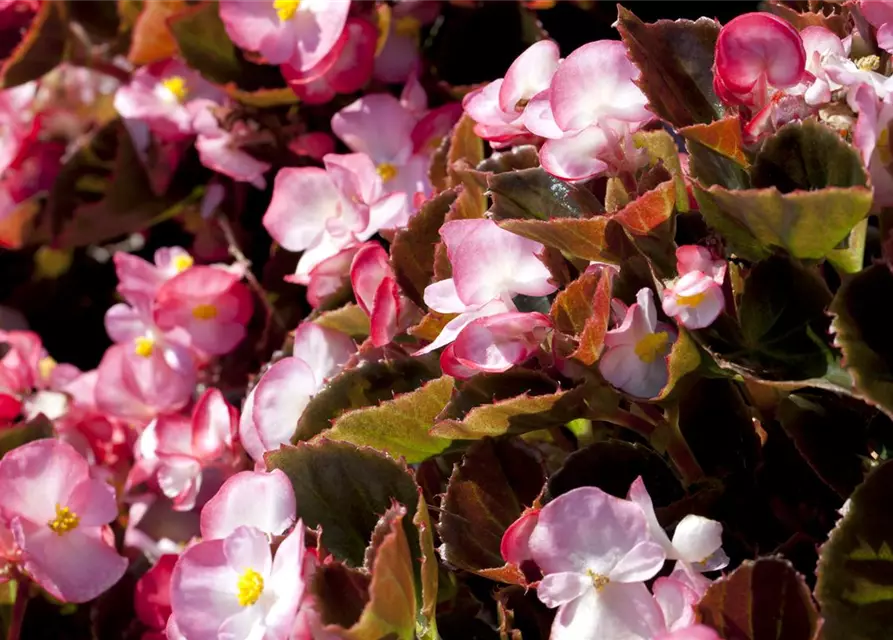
23	592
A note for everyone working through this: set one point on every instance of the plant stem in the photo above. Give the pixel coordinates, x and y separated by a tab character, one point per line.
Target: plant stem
681	455
23	592
630	421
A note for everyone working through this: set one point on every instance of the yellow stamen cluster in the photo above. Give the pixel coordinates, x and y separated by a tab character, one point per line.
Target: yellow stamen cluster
286	9
407	26
45	367
144	346
177	86
250	587
65	520
869	63
649	348
204	312
387	171
690	301
598	580
183	262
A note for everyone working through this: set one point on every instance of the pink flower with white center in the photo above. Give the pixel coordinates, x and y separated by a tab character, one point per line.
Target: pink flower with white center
490	265
348	70
59	516
265	501
139	280
299	33
221	150
822	47
379	126
209	304
499	128
676	601
635	360
375	287
159	94
494	344
272	409
186	455
606	148
756	53
696	298
696	545
152	596
595	552
871	136
235	588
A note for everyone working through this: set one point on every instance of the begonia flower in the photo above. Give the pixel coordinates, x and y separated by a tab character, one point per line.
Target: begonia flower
295	32
871	136
17	122
495	343
272	409
210	305
265	501
375	287
328	276
696	298
696	545
879	13
400	55
139	280
635	359
221	150
158	94
234	587
59	516
152	596
595	552
179	452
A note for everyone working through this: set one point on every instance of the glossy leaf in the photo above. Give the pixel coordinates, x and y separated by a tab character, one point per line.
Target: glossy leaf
204	44
648	211
533	194
583	239
349	319
662	148
152	39
41	48
722	136
429	571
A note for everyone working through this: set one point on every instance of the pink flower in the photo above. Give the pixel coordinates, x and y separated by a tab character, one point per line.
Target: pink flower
59	515
515	544
353	57
695	299
315	144
179	452
400	55
209	304
328	276
676	601
606	148
756	52
880	14
152	596
273	408
17	123
696	545
221	150
636	357
871	136
494	344
375	287
159	94
295	32
139	280
235	588
595	553
380	127
265	501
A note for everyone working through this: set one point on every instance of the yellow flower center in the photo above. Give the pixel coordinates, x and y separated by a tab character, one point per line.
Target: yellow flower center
883	147
250	587
690	301
144	346
598	580
868	63
45	367
204	312
387	171
183	262
177	86
286	8
652	346
407	26
65	520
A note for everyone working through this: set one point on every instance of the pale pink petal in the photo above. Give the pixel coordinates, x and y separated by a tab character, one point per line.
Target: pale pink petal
325	351
539	119
354	175
328	276
220	154
483	106
623	369
74	567
695	632
576	155
696	538
530	73
498	342
638	494
675	600
639	564
179	478
557	589
248	435
441	296
213	425
327	247
565	539
287	582
377	125
455	326
617	611
369	267
413	97
515	545
691	257
596	82
93	501
203	590
279	400
695	300
303	200
248	548
385	313
265	501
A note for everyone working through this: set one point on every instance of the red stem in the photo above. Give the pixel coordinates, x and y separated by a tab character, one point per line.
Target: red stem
23	592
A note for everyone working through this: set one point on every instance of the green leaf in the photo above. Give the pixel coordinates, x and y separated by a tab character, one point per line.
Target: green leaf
585	239
862	332
35	429
41	48
806	224
412	252
713	167
807	156
487	492
365	385
399	426
426	624
204	43
764	599
344	489
722	136
349	319
513	159
533	194
684	358
527	413
487	388
583	310
855	572
850	258
391	609
612	466
661	148
676	61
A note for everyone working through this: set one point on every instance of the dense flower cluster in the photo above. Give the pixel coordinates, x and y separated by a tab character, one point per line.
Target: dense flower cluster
426	335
